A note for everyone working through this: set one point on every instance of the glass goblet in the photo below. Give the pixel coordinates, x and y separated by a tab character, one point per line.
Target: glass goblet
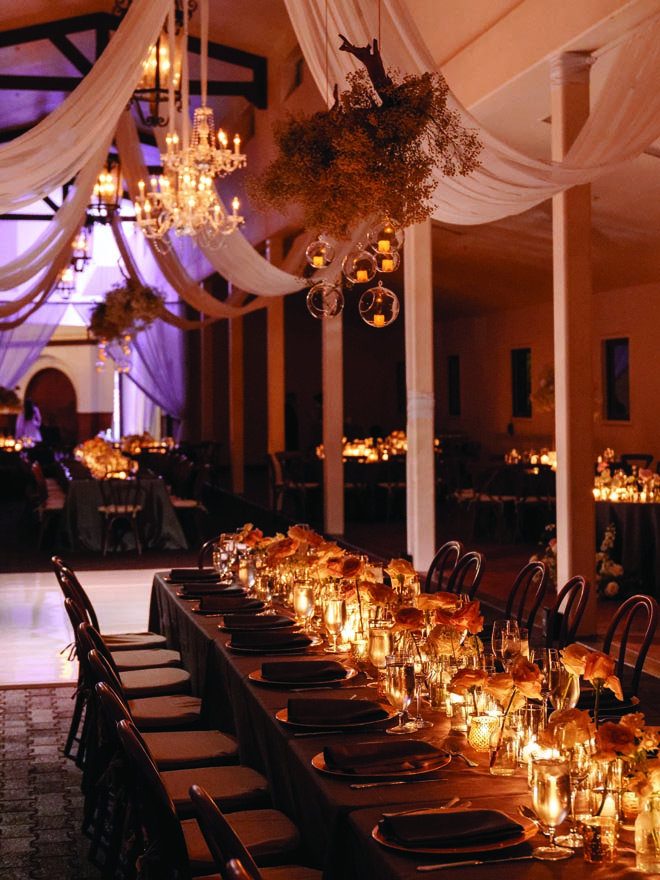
551	797
506	641
579	763
399	689
380	647
334	617
422	664
547	660
303	603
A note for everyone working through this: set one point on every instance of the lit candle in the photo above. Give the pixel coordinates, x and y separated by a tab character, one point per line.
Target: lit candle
235	206
387	265
379	320
361	276
383	246
318	260
237	144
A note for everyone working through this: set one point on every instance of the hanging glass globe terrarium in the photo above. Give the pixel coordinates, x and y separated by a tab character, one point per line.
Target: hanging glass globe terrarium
359	266
386	237
387	261
320	253
325	300
378	306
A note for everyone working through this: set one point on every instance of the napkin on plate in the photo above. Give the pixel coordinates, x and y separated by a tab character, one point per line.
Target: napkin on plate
203	588
319	711
386	757
449	829
228	604
278	640
264	621
194	574
302	670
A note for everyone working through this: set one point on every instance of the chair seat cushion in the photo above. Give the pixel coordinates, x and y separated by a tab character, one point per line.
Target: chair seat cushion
154	682
176	749
232	788
146	659
264	833
165	713
133	641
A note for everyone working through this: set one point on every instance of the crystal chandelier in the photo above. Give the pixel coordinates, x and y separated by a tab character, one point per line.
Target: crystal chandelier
183	198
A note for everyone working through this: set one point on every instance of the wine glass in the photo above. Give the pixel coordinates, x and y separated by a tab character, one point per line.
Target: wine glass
564	688
334	617
506	641
547	660
380	647
579	763
551	797
399	689
303	603
422	664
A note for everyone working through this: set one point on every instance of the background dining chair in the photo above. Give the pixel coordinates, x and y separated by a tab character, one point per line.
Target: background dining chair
206	551
120	503
442	565
630	460
527	594
563	618
176	846
190	503
466	576
49	500
226	846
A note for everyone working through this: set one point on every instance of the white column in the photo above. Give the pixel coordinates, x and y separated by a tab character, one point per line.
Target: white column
420	477
574	398
236	406
333	424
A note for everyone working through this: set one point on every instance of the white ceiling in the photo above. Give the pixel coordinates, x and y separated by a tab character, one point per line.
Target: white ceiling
495	55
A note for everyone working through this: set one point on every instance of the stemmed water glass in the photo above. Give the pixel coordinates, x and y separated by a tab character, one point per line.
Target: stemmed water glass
380	647
399	689
579	763
422	664
506	641
547	660
334	617
551	797
303	603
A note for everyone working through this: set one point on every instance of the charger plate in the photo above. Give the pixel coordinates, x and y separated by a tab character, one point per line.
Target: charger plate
318	762
258	677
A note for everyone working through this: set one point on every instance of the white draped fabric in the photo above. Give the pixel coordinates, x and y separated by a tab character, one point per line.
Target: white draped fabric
20	347
53	152
158	367
625	120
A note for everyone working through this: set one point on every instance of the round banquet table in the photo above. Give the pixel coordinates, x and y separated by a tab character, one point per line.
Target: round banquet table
637	541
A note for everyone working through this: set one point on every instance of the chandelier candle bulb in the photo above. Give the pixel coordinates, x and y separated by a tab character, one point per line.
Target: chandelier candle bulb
237	144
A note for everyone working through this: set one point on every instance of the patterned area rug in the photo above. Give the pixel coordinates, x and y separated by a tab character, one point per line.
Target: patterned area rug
40	798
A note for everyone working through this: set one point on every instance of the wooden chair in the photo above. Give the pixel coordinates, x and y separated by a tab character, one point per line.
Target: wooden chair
120	503
563	618
530	584
466	576
296	480
227	848
206	551
443	564
49	500
173	849
192	498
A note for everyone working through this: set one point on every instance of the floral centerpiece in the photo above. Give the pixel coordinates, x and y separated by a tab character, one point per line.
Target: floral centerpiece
103	460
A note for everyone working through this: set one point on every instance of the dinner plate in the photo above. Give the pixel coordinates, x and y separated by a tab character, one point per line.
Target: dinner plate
529	830
258	677
283	717
275	649
281	627
318	763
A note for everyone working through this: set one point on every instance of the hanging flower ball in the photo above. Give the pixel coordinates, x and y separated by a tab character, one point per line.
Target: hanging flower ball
386	237
325	300
378	306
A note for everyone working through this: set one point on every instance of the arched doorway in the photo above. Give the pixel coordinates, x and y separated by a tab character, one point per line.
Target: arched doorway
54	394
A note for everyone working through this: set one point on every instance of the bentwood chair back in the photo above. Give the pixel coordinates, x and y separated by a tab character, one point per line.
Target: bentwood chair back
206	551
120	503
234	870
644	610
443	564
529	586
466	576
566	613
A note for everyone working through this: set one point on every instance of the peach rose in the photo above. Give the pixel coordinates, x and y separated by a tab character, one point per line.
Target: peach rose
598	669
344	566
399	569
613	740
574	657
250	536
566	727
468	617
306	536
444	639
467	679
500	686
408	618
282	549
379	594
527	678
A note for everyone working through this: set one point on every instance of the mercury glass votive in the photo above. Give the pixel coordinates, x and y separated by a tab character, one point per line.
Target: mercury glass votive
481	729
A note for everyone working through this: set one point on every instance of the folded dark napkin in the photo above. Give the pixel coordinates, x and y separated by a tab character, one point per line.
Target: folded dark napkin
388	757
194	574
264	621
450	829
229	604
199	588
303	670
318	711
268	639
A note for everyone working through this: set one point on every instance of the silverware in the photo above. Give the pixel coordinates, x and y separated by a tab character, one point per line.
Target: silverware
394	782
450	803
304	690
467	760
472	862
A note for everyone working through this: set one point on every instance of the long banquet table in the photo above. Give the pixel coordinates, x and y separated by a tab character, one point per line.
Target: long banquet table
336	820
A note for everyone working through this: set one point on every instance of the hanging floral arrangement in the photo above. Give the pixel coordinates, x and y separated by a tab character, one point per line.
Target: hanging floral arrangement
126	309
373	153
544	396
9	400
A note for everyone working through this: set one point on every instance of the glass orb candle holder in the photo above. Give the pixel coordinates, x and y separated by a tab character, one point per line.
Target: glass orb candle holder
386	236
325	300
359	266
387	262
320	253
378	306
